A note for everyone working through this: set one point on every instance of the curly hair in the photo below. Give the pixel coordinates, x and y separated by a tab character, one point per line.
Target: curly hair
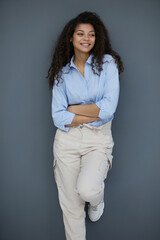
64	50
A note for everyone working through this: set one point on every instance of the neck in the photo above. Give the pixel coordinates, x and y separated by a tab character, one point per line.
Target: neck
81	58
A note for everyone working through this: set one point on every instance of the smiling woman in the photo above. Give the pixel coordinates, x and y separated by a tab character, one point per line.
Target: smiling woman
84	78
83	41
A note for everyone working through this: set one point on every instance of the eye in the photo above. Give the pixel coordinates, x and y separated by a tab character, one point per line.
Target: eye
92	35
80	34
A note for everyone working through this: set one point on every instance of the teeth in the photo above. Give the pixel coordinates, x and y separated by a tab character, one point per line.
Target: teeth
85	44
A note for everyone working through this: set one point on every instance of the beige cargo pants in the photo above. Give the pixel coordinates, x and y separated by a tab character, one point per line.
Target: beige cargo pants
81	162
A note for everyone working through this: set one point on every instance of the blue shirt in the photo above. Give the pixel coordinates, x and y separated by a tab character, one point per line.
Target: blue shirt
75	89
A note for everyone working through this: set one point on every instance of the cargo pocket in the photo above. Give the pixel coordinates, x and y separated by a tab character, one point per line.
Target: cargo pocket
107	169
55	168
109	157
103	168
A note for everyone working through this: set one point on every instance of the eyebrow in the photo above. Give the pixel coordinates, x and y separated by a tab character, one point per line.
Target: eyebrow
83	31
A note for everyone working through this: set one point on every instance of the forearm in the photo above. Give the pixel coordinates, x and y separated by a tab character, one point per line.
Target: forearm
79	119
89	110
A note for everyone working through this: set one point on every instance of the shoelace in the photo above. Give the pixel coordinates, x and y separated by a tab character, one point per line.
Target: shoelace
94	208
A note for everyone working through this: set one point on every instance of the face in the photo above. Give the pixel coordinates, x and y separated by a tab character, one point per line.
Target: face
83	38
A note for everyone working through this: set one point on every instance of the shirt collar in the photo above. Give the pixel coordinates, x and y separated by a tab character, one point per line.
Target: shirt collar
107	57
89	60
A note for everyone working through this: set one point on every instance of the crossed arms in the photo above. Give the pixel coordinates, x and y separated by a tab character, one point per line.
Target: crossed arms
65	116
84	114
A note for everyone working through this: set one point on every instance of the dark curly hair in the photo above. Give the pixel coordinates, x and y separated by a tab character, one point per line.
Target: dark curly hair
64	50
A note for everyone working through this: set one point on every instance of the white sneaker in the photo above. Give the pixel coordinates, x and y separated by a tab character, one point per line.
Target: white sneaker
95	212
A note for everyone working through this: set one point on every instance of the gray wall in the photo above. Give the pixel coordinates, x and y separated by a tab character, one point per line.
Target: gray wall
29	203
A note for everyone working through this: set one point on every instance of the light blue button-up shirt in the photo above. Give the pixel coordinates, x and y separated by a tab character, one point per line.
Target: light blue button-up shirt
75	89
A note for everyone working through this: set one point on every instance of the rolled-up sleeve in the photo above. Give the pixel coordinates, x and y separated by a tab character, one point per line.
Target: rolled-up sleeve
108	103
60	115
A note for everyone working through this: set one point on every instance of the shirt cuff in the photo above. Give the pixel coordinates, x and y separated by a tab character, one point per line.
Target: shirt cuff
101	115
68	120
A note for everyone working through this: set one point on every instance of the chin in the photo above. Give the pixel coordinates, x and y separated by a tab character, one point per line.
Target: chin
85	51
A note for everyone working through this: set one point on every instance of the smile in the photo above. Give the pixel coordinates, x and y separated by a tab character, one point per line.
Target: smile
85	44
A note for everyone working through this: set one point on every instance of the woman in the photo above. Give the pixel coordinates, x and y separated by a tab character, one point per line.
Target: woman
84	78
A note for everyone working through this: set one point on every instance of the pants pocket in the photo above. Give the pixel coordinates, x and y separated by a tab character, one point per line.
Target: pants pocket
55	169
104	167
107	169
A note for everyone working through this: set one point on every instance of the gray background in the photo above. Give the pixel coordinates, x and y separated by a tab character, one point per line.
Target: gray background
29	203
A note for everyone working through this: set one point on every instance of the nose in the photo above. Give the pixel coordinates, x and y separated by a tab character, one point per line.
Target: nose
86	37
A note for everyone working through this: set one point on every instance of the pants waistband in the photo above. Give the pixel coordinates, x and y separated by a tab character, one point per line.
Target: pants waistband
106	125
